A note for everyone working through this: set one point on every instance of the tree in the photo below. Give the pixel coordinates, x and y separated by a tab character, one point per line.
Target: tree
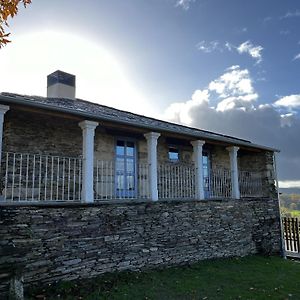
8	9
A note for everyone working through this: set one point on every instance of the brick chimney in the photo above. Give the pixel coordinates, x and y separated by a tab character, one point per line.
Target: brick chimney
61	85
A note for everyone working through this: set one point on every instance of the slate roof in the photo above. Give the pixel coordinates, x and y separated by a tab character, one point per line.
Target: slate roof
101	112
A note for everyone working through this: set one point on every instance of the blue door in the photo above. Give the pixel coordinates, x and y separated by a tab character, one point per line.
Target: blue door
206	171
125	169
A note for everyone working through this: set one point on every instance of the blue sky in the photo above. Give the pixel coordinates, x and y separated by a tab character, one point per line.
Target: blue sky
157	40
183	60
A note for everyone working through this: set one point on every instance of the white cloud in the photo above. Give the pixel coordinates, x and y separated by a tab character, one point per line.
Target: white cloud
291	101
185	4
180	111
297	56
291	14
229	46
267	19
286	184
234	89
246	47
287	119
240	102
253	51
284	32
208	47
239	115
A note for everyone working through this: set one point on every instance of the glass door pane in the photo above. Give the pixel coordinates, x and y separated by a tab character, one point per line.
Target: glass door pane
125	169
206	170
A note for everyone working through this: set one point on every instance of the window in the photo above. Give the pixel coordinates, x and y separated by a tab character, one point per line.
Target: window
173	154
206	173
125	169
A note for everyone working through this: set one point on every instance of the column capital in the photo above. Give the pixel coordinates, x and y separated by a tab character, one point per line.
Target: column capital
4	108
86	124
197	143
232	149
152	135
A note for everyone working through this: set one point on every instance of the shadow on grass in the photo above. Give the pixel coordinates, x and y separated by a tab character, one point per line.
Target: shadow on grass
253	277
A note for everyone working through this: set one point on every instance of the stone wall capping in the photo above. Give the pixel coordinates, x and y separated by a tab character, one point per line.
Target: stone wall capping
65	204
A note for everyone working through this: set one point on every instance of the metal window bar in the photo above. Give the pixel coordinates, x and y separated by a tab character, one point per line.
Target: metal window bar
176	181
25	177
250	184
219	183
105	185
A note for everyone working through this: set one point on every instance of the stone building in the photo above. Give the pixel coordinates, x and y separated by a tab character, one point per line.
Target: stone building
88	189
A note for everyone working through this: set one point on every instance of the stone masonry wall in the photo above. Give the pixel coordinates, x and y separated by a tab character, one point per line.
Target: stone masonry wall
262	163
65	242
26	132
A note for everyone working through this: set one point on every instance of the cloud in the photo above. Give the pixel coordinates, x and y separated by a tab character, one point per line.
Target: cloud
297	56
253	51
239	114
246	47
185	4
179	111
229	46
291	101
287	119
267	19
234	82
286	184
291	14
208	47
233	89
284	32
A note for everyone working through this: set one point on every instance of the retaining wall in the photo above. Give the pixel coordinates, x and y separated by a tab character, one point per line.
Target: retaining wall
70	241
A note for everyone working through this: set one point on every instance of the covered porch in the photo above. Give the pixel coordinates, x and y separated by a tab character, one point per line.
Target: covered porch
71	159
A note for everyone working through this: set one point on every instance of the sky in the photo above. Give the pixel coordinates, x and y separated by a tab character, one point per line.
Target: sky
227	66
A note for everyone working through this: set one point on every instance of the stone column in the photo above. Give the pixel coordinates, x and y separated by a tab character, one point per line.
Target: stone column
197	150
235	194
152	138
88	133
3	110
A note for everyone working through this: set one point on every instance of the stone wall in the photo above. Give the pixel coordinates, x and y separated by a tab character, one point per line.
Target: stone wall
65	242
263	164
25	132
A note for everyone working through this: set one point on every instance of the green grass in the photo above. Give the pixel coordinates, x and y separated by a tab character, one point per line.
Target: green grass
295	213
252	277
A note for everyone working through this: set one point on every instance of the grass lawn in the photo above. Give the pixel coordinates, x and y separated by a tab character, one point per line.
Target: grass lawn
294	213
251	277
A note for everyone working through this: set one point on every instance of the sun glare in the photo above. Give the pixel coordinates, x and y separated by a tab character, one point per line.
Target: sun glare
100	78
